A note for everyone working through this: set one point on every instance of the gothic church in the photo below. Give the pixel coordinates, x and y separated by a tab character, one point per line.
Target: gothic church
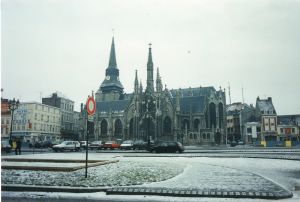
193	116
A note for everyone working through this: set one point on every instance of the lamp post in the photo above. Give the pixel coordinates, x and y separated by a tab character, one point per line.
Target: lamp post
148	103
13	105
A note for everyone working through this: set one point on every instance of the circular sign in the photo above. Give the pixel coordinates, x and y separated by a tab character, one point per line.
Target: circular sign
91	106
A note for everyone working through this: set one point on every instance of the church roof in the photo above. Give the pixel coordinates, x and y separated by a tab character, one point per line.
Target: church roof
193	104
199	91
113	106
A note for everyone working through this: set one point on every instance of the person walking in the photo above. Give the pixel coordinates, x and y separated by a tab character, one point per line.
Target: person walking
18	148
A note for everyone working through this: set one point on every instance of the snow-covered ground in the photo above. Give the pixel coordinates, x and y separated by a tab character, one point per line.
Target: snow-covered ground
187	172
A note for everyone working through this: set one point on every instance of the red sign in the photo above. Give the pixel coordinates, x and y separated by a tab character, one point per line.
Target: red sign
91	106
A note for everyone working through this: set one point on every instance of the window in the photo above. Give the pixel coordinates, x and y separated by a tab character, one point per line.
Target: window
2	121
7	121
35	116
293	130
249	130
42	117
281	130
258	129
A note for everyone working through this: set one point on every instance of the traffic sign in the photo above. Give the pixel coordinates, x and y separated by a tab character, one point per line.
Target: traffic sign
91	106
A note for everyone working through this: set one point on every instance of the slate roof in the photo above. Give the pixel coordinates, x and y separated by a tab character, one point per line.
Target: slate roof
194	104
265	105
118	105
289	119
199	91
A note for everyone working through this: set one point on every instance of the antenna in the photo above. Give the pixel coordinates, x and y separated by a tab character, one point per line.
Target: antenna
229	93
41	94
243	94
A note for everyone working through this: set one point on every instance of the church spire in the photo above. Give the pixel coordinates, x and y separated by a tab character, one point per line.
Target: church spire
112	58
158	82
112	82
150	85
136	83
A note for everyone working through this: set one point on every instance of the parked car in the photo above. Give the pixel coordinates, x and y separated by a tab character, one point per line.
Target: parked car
46	144
5	146
35	144
111	145
233	143
128	144
83	144
139	144
96	145
166	146
67	145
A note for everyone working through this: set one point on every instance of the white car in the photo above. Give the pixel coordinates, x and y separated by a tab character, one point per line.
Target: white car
67	145
128	144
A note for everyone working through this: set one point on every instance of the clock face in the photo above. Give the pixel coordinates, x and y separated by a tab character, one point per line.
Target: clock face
107	77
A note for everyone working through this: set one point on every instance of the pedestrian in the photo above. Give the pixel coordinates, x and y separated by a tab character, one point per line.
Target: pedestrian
18	148
14	146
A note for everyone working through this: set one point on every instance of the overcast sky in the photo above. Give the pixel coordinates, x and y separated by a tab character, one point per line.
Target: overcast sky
64	45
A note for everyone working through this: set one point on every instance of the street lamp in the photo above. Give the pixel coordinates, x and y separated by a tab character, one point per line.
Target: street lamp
13	105
148	103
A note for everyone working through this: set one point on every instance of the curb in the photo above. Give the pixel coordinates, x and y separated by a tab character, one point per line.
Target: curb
262	156
23	188
199	193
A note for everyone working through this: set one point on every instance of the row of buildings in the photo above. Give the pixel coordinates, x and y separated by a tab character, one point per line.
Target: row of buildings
53	119
194	116
261	124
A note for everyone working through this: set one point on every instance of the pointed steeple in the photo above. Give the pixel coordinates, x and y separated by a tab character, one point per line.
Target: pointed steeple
112	58
136	83
150	85
141	87
158	82
112	82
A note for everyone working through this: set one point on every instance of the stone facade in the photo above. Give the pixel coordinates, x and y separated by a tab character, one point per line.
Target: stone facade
36	121
190	115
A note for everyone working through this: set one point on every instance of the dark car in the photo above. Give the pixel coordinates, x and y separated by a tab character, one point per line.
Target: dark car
139	144
37	144
47	144
5	146
166	146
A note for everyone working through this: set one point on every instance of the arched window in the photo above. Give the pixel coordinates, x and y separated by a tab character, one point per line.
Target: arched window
212	114
167	126
221	115
104	127
196	125
185	124
118	127
131	127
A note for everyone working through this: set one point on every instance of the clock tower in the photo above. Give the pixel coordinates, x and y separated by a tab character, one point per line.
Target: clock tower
111	88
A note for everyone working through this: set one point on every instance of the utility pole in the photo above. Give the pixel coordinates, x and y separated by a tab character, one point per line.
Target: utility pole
229	93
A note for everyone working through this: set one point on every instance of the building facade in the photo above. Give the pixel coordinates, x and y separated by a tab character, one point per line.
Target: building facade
267	116
5	119
36	122
288	128
67	114
191	115
238	114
